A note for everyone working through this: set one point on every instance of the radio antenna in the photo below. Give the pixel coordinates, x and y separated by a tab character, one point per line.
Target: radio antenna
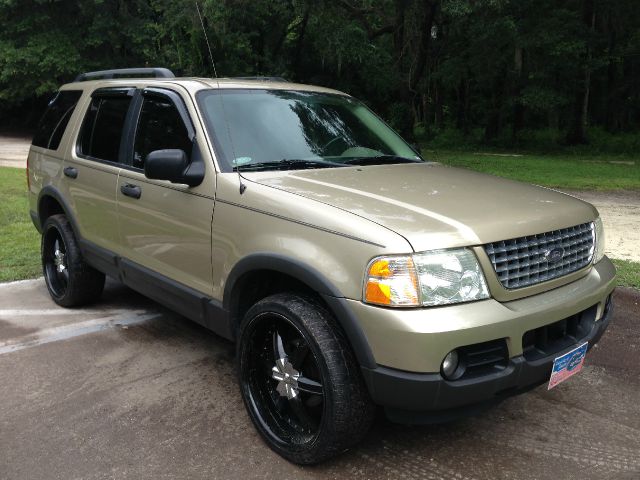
206	37
243	187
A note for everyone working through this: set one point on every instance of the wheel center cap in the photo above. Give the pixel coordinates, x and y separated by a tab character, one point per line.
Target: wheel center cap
287	378
58	261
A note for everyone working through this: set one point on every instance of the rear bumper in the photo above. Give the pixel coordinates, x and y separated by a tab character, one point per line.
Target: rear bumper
429	398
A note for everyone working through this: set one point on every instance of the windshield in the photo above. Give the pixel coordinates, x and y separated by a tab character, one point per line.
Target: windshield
278	129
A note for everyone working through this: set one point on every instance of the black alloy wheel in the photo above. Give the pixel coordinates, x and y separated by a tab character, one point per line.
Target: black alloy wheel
283	381
70	280
299	380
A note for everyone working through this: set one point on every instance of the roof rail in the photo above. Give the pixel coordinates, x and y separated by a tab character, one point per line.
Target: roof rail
128	72
263	79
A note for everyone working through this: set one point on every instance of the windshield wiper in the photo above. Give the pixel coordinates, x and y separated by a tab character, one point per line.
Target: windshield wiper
287	164
381	160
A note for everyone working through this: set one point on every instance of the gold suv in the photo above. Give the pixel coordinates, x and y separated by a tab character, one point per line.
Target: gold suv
291	219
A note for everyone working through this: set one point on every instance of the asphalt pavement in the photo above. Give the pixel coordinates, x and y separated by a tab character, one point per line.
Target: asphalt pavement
127	389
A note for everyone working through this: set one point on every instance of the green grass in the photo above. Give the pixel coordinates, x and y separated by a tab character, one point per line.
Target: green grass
628	273
19	240
551	170
542	141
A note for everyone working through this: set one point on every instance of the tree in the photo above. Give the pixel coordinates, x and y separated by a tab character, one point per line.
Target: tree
500	67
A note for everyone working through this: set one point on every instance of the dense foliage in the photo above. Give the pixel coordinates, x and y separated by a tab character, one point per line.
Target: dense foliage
492	68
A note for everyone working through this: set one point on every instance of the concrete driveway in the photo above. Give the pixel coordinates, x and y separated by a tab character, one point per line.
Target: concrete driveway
14	151
127	389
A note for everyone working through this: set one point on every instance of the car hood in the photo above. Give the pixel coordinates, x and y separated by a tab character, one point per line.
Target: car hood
435	206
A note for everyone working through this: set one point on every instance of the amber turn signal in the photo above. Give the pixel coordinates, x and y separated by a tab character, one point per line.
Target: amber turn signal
392	281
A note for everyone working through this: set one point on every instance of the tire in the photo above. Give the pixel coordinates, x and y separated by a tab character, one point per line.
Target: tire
299	380
70	280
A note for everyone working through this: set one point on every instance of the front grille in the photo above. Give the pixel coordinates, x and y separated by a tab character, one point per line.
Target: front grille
534	259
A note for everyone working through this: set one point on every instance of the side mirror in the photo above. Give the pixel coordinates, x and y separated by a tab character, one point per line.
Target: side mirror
172	165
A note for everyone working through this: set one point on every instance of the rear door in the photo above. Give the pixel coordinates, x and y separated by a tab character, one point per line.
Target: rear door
165	228
91	170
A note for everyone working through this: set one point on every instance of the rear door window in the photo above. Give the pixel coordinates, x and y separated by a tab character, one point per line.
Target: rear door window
160	127
55	119
103	125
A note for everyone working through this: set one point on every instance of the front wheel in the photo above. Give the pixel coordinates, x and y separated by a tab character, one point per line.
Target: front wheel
299	380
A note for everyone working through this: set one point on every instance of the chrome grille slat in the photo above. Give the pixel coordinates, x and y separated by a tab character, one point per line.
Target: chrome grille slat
525	262
520	262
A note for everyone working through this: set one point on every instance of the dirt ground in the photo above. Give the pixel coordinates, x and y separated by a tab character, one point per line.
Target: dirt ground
620	212
127	389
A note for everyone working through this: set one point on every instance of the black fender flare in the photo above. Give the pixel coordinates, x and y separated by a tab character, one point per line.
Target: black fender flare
51	191
314	280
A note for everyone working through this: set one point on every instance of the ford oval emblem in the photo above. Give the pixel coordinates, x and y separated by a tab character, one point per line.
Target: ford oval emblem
554	255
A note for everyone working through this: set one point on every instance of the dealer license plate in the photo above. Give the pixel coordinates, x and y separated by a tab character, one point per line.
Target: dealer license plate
567	365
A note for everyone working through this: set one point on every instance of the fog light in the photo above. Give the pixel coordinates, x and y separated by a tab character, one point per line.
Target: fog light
450	364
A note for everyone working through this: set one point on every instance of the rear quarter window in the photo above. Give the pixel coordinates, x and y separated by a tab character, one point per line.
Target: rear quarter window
55	119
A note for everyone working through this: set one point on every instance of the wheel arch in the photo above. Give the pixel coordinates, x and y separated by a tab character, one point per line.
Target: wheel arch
243	288
51	202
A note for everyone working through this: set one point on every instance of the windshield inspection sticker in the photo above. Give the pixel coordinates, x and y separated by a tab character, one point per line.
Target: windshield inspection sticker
239	161
567	365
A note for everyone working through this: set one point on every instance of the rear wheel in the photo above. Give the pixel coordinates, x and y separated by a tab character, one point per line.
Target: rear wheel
70	280
299	380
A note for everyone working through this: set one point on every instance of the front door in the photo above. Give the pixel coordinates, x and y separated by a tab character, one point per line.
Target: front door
165	228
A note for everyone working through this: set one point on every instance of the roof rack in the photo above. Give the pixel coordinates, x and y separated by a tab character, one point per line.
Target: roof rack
263	79
128	72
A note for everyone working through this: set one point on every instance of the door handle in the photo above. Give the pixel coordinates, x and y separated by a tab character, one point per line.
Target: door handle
133	191
70	172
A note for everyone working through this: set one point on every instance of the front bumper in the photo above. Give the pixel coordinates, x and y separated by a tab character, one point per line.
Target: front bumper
409	345
429	398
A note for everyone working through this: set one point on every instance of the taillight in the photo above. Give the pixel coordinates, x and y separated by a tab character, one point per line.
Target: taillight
28	179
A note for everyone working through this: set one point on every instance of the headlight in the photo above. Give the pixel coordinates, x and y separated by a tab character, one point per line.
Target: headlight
599	240
438	277
450	276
